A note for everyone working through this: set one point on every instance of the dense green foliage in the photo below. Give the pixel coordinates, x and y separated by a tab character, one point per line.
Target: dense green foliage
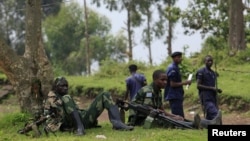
12	17
66	39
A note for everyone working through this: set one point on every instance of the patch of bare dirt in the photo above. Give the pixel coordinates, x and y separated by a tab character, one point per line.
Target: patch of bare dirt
83	103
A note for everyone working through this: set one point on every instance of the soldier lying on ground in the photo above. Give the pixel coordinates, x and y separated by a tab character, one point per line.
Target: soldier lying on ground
151	96
70	116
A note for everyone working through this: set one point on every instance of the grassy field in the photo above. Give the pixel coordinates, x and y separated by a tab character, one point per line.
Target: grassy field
10	127
11	120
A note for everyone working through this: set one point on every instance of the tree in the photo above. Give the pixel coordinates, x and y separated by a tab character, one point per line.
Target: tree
12	23
66	42
133	17
219	18
167	12
236	39
87	53
20	70
145	8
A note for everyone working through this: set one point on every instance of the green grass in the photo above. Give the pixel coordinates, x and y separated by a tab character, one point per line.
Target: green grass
2	75
114	82
138	134
13	120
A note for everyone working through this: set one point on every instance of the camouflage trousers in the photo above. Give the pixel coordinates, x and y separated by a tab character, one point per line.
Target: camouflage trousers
89	116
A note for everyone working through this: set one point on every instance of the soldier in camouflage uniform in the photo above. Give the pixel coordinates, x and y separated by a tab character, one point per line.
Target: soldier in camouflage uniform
69	112
151	95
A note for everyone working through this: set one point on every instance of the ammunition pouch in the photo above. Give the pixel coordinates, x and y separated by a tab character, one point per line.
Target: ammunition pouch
149	122
152	121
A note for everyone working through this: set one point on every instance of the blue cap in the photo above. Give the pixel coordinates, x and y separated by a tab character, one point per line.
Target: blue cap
177	53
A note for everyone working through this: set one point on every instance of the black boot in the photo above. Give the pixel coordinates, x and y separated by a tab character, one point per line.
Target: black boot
78	123
115	119
216	121
197	121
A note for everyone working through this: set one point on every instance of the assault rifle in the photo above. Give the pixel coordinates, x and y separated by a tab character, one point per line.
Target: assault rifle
151	113
34	125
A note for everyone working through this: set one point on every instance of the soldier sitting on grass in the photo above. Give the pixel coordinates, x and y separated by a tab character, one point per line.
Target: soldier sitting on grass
70	116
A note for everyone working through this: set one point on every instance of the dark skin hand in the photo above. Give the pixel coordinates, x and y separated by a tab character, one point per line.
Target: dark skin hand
178	84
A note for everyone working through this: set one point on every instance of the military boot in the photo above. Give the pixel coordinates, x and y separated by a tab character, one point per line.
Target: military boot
197	121
216	121
78	123
195	124
115	119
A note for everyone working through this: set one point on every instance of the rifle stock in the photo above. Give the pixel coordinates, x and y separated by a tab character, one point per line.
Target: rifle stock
35	124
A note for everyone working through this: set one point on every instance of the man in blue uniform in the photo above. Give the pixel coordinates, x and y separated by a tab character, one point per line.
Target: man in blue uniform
206	85
134	82
174	92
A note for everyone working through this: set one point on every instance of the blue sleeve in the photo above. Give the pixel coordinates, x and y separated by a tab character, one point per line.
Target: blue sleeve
172	75
199	74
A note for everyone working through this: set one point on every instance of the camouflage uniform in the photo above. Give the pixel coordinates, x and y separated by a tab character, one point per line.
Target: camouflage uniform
66	105
146	96
68	114
150	97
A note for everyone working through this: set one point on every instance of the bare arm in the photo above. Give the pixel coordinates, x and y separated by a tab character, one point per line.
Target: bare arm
126	93
200	86
178	84
175	117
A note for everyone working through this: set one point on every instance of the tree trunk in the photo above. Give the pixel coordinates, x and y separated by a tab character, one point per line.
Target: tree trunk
149	35
20	70
88	70
236	27
130	55
170	32
129	30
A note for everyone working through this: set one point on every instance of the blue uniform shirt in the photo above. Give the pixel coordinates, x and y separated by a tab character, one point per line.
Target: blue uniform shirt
173	73
134	83
208	78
